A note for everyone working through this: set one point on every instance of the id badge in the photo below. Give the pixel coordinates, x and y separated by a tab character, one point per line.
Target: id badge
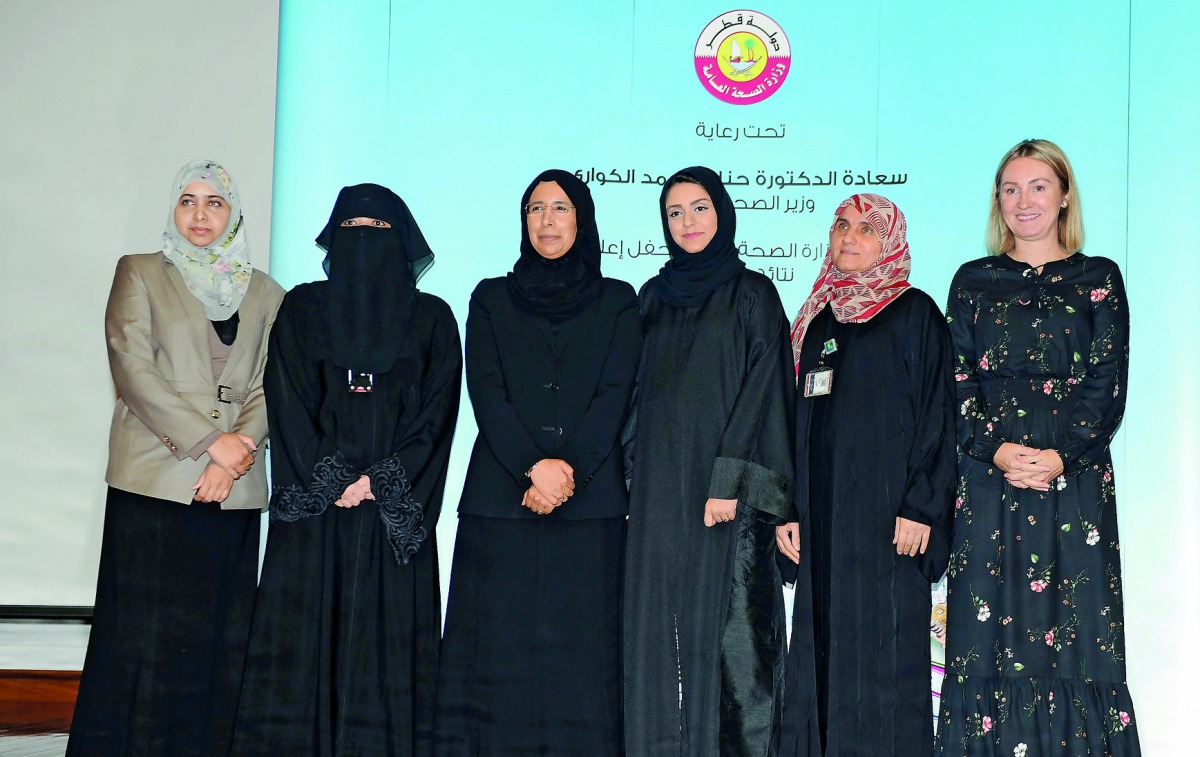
818	382
360	383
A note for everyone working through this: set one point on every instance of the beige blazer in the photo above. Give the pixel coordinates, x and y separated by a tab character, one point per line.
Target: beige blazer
167	402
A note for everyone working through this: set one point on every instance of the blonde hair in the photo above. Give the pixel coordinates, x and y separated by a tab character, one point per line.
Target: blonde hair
1000	238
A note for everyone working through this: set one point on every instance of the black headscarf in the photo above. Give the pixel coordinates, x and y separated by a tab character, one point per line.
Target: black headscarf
373	274
688	277
559	288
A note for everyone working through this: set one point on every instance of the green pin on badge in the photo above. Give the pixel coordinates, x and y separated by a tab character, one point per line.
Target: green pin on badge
830	346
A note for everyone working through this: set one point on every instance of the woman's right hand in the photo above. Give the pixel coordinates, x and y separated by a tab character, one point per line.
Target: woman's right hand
1021	467
213	485
719	511
554	479
787	537
355	493
233	453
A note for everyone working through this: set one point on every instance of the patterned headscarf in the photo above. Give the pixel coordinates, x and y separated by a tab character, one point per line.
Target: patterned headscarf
859	297
217	275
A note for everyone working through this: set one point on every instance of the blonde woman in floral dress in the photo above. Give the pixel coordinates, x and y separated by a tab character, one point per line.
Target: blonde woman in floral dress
1036	643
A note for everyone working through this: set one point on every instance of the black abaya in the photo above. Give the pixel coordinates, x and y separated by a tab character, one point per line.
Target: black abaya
343	653
704	632
878	447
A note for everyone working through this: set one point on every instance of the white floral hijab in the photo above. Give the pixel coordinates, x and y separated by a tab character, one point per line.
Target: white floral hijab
217	275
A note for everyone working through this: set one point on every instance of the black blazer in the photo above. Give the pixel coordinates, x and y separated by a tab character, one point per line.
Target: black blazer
539	395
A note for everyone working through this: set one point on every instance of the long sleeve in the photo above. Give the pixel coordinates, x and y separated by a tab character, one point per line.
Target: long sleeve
148	394
424	450
495	413
596	434
978	434
307	474
1099	401
931	470
754	461
629	435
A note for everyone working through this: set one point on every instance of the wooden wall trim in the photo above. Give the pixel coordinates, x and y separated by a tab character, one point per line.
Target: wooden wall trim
37	701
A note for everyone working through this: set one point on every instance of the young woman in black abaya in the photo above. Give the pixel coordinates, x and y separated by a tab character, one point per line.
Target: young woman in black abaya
531	653
874	494
362	392
710	447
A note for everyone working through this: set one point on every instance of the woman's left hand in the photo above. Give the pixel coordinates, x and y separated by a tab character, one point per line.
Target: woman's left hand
1052	460
719	511
787	538
910	537
534	500
213	485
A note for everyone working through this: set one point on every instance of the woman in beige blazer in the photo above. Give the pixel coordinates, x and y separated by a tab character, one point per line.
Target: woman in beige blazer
187	344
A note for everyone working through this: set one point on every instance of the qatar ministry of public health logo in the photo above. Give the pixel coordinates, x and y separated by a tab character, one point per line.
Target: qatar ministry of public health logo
742	57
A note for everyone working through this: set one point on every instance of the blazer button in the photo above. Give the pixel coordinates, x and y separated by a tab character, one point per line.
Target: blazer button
215	413
552	386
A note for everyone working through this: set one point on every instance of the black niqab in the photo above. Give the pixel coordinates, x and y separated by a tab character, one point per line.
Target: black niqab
689	277
373	274
559	288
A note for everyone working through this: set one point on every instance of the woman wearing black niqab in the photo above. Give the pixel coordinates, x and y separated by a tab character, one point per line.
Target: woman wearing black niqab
531	653
709	447
362	394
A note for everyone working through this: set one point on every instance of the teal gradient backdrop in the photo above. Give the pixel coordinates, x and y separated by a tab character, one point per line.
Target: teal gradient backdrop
457	105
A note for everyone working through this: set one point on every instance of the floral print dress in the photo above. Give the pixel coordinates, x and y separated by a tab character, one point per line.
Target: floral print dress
1035	661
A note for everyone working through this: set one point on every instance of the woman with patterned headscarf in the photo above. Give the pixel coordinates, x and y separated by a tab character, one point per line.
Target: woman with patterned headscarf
710	456
362	391
874	494
532	648
187	342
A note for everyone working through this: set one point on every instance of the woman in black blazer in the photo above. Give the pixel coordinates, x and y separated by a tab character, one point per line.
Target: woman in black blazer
530	653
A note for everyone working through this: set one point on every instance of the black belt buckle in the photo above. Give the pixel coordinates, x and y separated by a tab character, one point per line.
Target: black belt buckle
221	397
359	382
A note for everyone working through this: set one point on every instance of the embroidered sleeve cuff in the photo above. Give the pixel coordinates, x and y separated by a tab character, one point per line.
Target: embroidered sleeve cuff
330	477
401	514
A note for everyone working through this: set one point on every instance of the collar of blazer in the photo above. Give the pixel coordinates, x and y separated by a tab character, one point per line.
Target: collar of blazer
198	320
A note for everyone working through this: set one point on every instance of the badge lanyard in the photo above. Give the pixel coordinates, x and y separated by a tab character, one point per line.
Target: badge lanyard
819	381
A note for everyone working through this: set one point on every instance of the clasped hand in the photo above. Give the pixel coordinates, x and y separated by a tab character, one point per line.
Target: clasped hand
1028	467
230	456
355	493
553	484
233	453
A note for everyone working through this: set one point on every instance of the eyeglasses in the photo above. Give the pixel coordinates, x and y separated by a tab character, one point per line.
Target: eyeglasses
538	208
